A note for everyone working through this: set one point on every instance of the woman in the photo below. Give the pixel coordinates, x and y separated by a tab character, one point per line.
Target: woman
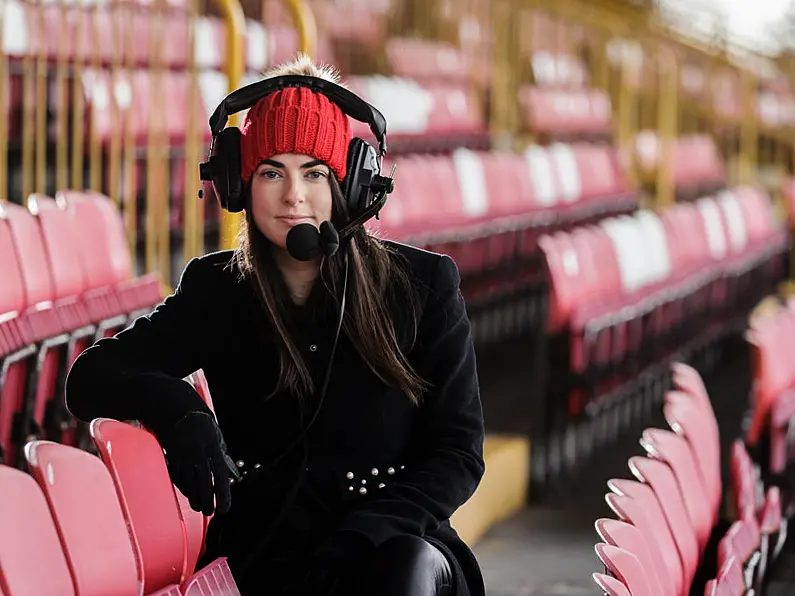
340	489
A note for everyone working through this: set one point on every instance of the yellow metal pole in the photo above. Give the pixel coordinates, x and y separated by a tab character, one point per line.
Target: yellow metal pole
40	117
668	127
62	111
749	131
235	66
304	21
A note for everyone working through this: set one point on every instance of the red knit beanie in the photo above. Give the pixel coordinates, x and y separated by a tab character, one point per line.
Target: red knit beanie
295	120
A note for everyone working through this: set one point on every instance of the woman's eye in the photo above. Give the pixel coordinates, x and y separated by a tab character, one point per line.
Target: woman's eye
269	174
316	175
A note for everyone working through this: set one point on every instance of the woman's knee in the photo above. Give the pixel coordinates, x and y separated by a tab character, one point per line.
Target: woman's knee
408	564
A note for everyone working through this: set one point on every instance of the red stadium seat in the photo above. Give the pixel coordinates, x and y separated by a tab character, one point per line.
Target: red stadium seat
610	585
426	60
730	581
138	469
742	543
107	259
663	482
88	517
630	539
626	567
635	503
685	418
58	325
744	484
31	560
675	451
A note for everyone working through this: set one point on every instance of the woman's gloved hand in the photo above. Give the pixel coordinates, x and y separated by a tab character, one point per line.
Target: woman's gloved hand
198	463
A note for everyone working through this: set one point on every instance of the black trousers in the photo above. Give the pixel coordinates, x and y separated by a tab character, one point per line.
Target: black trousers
407	566
402	566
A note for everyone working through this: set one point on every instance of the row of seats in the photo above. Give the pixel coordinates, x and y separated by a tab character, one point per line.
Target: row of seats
696	165
626	295
111	525
97	35
770	338
485	208
669	521
564	113
411	108
637	264
67	281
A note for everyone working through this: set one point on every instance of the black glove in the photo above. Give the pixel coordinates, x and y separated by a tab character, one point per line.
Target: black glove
198	463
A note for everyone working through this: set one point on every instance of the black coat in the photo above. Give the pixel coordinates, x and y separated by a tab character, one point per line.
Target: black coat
429	458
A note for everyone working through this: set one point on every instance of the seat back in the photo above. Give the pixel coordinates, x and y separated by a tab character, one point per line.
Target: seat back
98	211
629	538
12	296
610	585
624	566
92	239
60	241
32	562
743	481
730	580
770	518
687	379
32	255
689	421
741	541
663	483
675	451
136	463
636	504
88	517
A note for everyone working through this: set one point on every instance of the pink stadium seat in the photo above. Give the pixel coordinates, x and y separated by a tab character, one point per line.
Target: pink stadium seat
663	482
741	542
136	464
213	580
426	60
625	566
14	338
610	585
730	581
90	527
107	254
675	451
772	523
93	256
782	412
744	485
635	503
687	420
687	379
31	560
53	323
629	538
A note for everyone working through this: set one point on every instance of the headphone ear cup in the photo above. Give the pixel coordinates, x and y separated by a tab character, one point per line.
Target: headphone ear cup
225	164
361	167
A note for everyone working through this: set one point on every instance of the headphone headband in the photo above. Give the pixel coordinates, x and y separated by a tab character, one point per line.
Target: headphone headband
350	103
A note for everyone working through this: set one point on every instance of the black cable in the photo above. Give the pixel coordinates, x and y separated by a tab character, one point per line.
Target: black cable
290	500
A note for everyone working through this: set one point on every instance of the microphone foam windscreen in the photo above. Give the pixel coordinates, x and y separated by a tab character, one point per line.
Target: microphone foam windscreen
303	242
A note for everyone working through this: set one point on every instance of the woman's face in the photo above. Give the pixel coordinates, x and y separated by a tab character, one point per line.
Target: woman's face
287	190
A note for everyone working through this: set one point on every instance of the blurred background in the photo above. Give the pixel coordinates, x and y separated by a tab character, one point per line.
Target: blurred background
613	177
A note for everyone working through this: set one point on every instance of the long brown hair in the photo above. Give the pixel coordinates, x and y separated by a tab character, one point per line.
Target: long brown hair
377	280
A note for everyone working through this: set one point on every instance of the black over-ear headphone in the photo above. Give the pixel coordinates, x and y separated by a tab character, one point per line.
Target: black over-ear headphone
364	188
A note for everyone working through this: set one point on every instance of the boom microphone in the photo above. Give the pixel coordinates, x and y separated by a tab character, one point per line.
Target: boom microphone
305	241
